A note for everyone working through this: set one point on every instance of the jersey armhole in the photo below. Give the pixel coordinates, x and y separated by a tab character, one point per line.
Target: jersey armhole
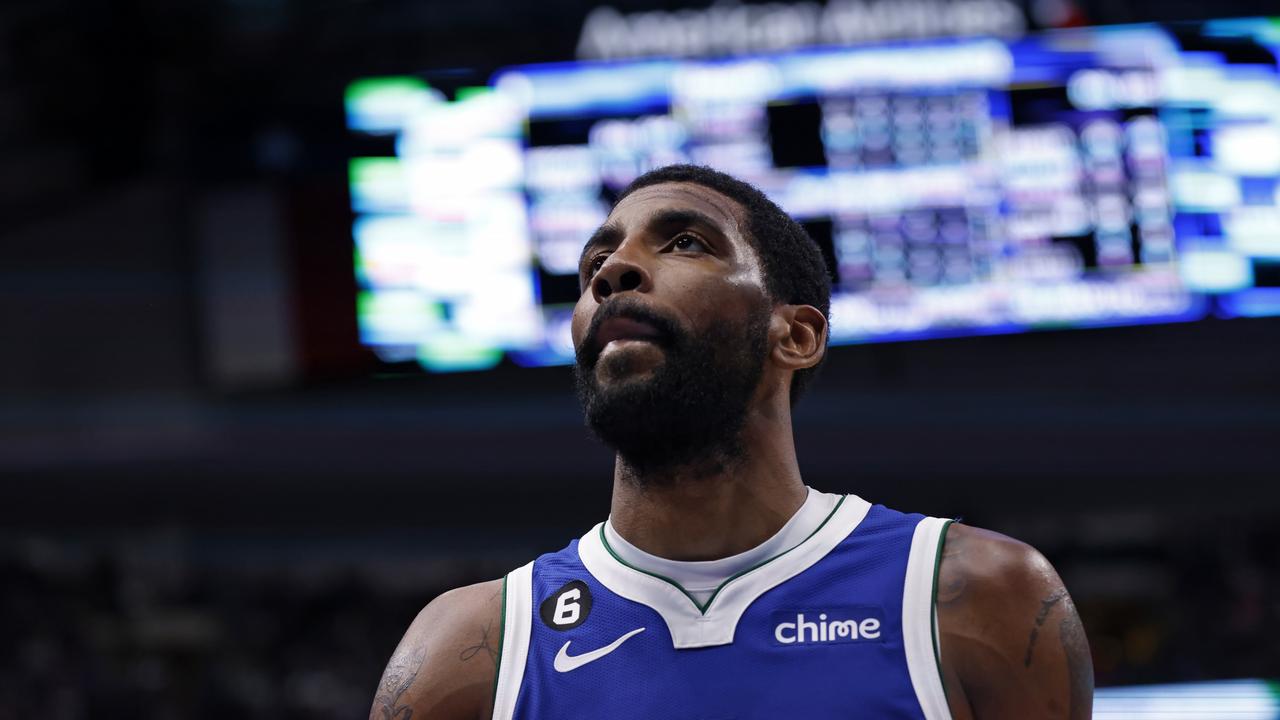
933	606
919	618
513	643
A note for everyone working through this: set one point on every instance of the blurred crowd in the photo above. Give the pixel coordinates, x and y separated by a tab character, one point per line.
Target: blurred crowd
152	633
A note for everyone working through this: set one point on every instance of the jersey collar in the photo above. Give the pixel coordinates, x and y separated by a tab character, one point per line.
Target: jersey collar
694	625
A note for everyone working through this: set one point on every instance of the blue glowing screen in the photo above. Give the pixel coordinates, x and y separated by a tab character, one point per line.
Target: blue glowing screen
1078	178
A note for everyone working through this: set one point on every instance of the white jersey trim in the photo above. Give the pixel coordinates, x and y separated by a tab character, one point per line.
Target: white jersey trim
702	578
690	627
517	618
918	638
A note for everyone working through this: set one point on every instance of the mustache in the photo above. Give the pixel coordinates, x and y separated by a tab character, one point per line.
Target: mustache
669	332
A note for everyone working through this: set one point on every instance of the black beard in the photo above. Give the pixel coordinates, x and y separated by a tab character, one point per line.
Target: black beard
689	413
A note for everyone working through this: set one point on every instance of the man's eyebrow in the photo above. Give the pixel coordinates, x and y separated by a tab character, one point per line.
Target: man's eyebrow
684	217
605	235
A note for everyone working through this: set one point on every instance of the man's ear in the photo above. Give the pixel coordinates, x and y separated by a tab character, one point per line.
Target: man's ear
799	336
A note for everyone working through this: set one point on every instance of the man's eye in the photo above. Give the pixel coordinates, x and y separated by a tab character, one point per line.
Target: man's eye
688	242
596	263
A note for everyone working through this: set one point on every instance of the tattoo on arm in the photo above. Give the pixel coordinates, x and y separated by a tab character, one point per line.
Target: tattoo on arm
398	677
481	646
1046	605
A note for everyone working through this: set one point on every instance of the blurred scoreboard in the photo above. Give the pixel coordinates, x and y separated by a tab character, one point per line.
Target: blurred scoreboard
1089	177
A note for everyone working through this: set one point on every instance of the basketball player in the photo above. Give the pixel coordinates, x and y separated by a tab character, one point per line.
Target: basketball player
720	586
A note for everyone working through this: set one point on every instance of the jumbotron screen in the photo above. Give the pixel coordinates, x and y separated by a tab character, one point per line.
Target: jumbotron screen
1079	178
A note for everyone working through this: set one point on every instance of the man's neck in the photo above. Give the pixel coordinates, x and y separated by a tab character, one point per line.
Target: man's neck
707	514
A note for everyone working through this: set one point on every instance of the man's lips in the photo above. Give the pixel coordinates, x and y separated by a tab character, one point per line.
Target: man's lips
626	318
624	328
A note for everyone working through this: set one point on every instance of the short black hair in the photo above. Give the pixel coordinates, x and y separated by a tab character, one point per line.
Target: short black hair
795	272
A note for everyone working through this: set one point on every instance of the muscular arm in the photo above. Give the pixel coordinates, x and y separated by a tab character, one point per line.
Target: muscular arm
444	667
1011	642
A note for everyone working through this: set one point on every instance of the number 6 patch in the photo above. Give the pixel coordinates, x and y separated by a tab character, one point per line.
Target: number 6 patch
568	607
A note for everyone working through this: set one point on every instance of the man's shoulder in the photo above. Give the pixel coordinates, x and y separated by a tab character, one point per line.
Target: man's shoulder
1008	629
985	575
444	666
452	612
988	560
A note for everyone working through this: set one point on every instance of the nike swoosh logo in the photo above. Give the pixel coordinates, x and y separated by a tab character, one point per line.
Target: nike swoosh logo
566	662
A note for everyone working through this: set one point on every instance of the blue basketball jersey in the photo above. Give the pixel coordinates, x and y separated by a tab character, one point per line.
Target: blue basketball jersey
840	626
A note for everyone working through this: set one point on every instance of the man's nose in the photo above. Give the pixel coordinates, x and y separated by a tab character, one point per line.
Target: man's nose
620	273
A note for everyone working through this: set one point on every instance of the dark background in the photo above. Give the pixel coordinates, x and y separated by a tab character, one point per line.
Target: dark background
213	503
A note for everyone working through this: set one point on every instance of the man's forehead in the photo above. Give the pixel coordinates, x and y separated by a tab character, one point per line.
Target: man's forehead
681	195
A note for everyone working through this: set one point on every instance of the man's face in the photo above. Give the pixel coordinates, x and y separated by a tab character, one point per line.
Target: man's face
671	330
